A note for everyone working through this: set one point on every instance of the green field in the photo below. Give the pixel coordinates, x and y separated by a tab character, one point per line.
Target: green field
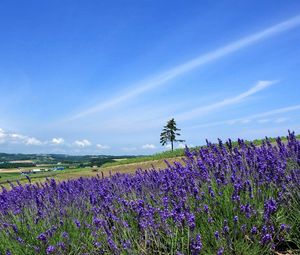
125	165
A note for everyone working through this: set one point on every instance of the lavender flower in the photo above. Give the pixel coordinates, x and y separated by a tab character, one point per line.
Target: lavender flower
217	235
220	251
42	237
270	208
65	235
77	223
266	239
50	250
254	230
196	245
235	219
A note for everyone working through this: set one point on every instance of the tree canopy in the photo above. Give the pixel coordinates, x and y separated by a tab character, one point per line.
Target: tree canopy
169	134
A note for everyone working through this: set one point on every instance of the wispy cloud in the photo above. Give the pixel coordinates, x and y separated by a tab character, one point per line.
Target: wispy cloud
277	111
262	121
247	119
171	74
225	102
281	120
144	122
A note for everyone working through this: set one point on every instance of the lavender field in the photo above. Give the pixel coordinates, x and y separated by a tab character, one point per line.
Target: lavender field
222	200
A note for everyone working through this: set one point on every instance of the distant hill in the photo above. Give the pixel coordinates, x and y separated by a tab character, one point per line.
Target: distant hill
11	160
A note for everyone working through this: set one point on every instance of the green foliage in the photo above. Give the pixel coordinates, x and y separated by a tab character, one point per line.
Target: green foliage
156	156
169	134
7	160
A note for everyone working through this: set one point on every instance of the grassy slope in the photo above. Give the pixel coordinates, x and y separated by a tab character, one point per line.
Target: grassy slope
176	153
158	156
123	166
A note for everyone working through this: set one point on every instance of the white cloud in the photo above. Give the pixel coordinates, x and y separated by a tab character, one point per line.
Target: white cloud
102	147
168	146
2	133
57	141
32	141
2	136
15	138
82	143
171	74
181	146
148	146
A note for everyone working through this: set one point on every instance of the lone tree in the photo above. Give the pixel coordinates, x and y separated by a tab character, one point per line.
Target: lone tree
169	133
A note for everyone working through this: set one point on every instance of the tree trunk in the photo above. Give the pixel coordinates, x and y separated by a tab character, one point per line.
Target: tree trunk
172	145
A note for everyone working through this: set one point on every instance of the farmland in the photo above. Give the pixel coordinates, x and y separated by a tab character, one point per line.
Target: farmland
13	175
220	199
81	166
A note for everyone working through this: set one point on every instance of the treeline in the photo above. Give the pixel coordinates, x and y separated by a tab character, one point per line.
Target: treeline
96	162
6	165
53	159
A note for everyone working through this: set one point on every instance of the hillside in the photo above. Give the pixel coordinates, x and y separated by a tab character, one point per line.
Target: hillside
85	166
223	200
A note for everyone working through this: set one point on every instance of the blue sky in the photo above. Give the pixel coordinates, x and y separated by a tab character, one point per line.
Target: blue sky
103	77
